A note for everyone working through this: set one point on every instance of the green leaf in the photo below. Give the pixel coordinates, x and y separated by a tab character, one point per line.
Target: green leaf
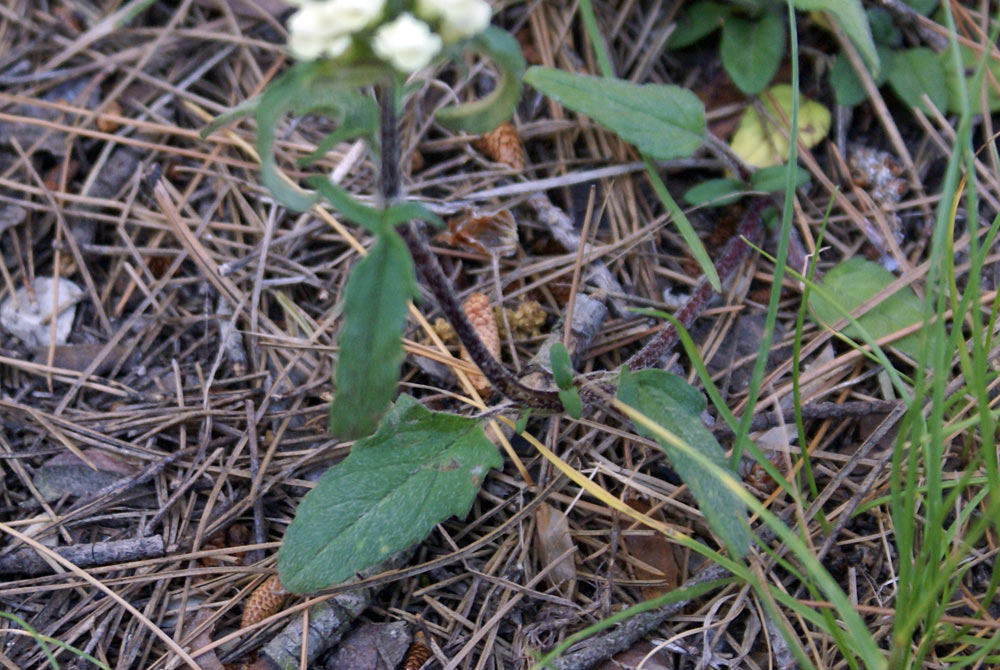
677	406
701	19
522	421
715	192
684	227
420	468
924	7
371	351
411	211
570	399
970	61
562	367
885	32
851	17
344	203
359	119
662	121
317	87
852	283
847	88
752	50
772	179
913	72
486	114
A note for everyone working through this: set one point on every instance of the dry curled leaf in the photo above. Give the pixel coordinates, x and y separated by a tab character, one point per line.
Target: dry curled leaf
477	308
418	653
266	600
503	145
493	234
656	554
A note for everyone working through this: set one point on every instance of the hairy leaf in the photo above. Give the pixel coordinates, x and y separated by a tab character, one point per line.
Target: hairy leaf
371	351
420	468
677	406
486	114
752	50
663	122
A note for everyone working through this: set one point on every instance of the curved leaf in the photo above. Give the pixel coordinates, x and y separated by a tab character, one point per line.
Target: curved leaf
371	351
344	203
411	211
562	367
662	121
312	87
486	114
420	468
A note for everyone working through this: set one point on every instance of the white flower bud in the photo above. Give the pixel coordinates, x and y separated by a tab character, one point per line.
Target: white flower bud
459	18
407	43
323	28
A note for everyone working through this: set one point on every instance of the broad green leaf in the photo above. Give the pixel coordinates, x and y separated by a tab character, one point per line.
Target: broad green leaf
924	7
562	367
715	192
913	72
752	50
885	32
969	61
371	351
761	140
570	399
662	121
677	406
420	468
852	283
772	179
851	17
486	114
319	87
701	19
344	203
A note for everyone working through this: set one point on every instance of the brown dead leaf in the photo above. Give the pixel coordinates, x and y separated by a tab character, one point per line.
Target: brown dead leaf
552	531
655	553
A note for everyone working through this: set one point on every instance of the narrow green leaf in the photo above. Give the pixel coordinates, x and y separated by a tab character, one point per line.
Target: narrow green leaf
371	351
245	108
411	211
772	179
344	203
662	121
562	367
913	72
677	406
715	192
853	282
522	421
851	17
486	114
570	399
700	20
420	468
752	50
684	226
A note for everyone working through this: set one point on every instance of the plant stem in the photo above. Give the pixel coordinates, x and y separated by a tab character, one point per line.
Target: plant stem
433	276
733	255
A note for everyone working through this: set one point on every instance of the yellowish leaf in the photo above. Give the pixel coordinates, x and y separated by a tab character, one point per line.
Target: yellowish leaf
761	140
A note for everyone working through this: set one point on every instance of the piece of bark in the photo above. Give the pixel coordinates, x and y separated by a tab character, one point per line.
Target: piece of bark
372	646
28	562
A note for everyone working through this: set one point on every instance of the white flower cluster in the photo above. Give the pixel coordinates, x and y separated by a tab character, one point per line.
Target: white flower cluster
324	28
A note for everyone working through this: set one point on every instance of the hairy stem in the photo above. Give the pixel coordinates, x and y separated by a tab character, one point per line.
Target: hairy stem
433	276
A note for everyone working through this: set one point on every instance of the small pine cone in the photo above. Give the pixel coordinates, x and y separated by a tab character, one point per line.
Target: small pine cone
418	652
477	308
503	145
266	600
